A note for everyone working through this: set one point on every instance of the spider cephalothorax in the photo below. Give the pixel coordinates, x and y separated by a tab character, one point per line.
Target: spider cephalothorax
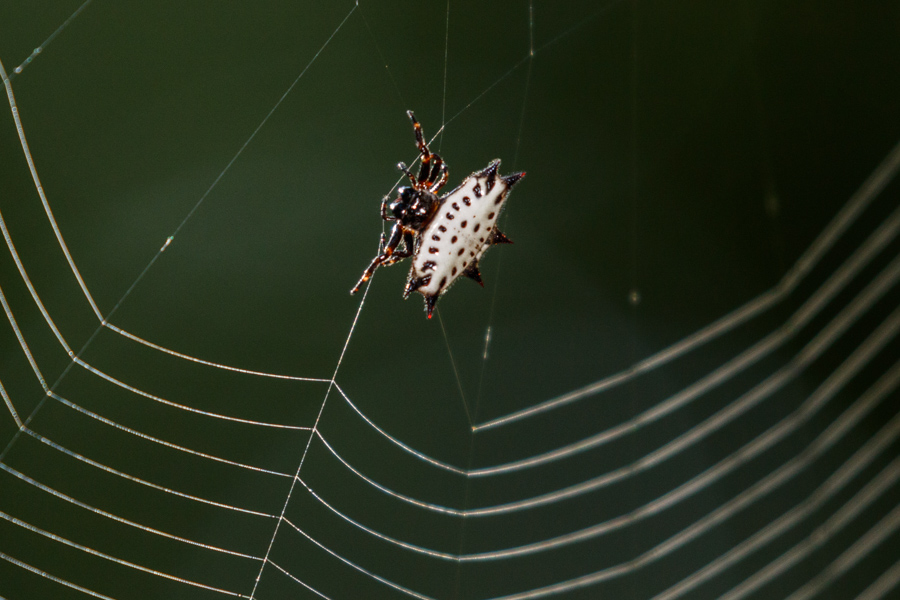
447	235
413	208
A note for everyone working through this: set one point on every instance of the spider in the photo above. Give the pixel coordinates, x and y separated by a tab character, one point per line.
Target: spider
446	235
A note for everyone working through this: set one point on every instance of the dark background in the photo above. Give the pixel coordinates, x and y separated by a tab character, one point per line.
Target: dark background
681	156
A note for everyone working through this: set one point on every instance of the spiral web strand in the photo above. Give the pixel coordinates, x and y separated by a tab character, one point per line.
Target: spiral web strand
283	525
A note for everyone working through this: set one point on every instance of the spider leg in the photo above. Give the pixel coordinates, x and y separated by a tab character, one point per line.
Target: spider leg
385	215
412	178
426	155
396	236
437	165
439	174
420	138
408	249
425	171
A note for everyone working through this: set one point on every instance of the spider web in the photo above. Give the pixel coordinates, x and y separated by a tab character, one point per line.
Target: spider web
681	381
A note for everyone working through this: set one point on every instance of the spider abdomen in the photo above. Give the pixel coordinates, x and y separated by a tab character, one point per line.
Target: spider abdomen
459	234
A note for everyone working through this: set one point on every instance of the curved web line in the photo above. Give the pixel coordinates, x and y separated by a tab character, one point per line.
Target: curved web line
91	551
53	578
184	407
40	190
851	557
406	545
120	561
98	511
138	480
883	585
849	419
353	565
851	468
24	345
62	341
409	500
759	393
23	428
12	409
159	441
296	580
77	360
50	393
101	466
765	441
822	534
420	455
208	363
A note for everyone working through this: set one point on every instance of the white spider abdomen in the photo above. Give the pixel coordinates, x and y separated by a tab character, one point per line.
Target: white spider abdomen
459	234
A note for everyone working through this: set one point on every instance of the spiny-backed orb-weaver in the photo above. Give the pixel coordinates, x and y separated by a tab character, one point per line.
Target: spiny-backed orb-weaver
447	235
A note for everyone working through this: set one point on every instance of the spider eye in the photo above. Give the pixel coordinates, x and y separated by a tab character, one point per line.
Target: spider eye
401	204
405	197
